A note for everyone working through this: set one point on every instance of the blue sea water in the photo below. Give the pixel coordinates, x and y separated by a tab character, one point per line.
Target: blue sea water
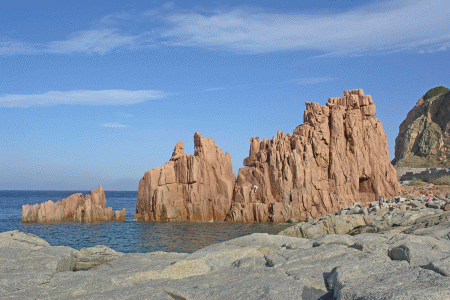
129	236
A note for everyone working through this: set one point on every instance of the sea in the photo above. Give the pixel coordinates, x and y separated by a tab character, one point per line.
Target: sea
129	236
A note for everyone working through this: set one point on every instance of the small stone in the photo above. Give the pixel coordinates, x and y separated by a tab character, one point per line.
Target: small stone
375	208
342	212
356	204
434	204
401	199
355	210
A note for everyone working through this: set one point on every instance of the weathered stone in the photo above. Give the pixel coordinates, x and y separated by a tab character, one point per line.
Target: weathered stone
120	215
434	204
29	262
195	187
88	258
337	157
77	208
258	266
425	133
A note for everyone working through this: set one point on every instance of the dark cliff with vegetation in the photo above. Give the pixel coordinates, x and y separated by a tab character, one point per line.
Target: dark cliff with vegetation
424	136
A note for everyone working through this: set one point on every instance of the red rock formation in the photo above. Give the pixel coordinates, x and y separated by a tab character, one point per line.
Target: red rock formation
338	156
195	187
74	208
120	215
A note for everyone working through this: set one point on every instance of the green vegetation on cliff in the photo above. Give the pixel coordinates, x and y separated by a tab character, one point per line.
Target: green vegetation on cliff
422	162
435	91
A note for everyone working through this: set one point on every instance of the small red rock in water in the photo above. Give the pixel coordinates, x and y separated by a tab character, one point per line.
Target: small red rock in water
74	208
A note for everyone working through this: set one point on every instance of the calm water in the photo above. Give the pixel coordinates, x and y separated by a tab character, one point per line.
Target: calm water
129	236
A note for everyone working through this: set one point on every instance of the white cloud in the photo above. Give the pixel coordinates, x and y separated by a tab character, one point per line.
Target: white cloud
436	48
15	47
114	125
380	26
87	97
384	26
93	41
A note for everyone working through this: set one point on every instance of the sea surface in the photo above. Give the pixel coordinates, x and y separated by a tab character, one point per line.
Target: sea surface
128	236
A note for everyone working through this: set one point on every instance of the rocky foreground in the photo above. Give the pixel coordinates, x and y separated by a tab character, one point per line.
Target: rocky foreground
399	214
409	258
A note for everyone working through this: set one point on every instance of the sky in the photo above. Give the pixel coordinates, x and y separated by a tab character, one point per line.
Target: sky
99	92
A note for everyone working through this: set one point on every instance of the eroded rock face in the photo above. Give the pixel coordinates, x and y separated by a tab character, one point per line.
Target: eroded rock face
76	207
337	157
425	132
189	187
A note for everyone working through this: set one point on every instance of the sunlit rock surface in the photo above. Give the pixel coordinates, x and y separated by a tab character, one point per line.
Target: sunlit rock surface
76	207
337	157
258	266
189	187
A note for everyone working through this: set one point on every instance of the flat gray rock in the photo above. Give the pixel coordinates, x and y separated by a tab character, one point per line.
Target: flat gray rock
259	266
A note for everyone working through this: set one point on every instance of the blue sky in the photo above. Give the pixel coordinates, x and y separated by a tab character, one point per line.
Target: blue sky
99	92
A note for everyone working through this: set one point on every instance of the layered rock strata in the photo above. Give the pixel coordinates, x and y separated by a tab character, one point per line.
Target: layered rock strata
424	136
258	266
337	157
189	187
76	207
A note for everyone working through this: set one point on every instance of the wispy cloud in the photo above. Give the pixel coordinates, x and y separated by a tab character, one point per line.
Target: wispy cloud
114	125
15	47
436	48
213	89
380	27
86	97
313	80
93	41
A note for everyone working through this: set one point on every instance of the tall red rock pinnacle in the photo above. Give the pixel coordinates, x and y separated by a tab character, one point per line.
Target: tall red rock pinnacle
188	187
338	156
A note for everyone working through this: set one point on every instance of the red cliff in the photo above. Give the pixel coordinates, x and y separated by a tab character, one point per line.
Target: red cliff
337	157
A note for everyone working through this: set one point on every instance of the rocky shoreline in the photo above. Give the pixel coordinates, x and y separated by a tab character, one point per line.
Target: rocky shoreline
408	258
399	214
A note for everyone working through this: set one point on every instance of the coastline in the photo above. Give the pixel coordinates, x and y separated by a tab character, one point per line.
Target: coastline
387	265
